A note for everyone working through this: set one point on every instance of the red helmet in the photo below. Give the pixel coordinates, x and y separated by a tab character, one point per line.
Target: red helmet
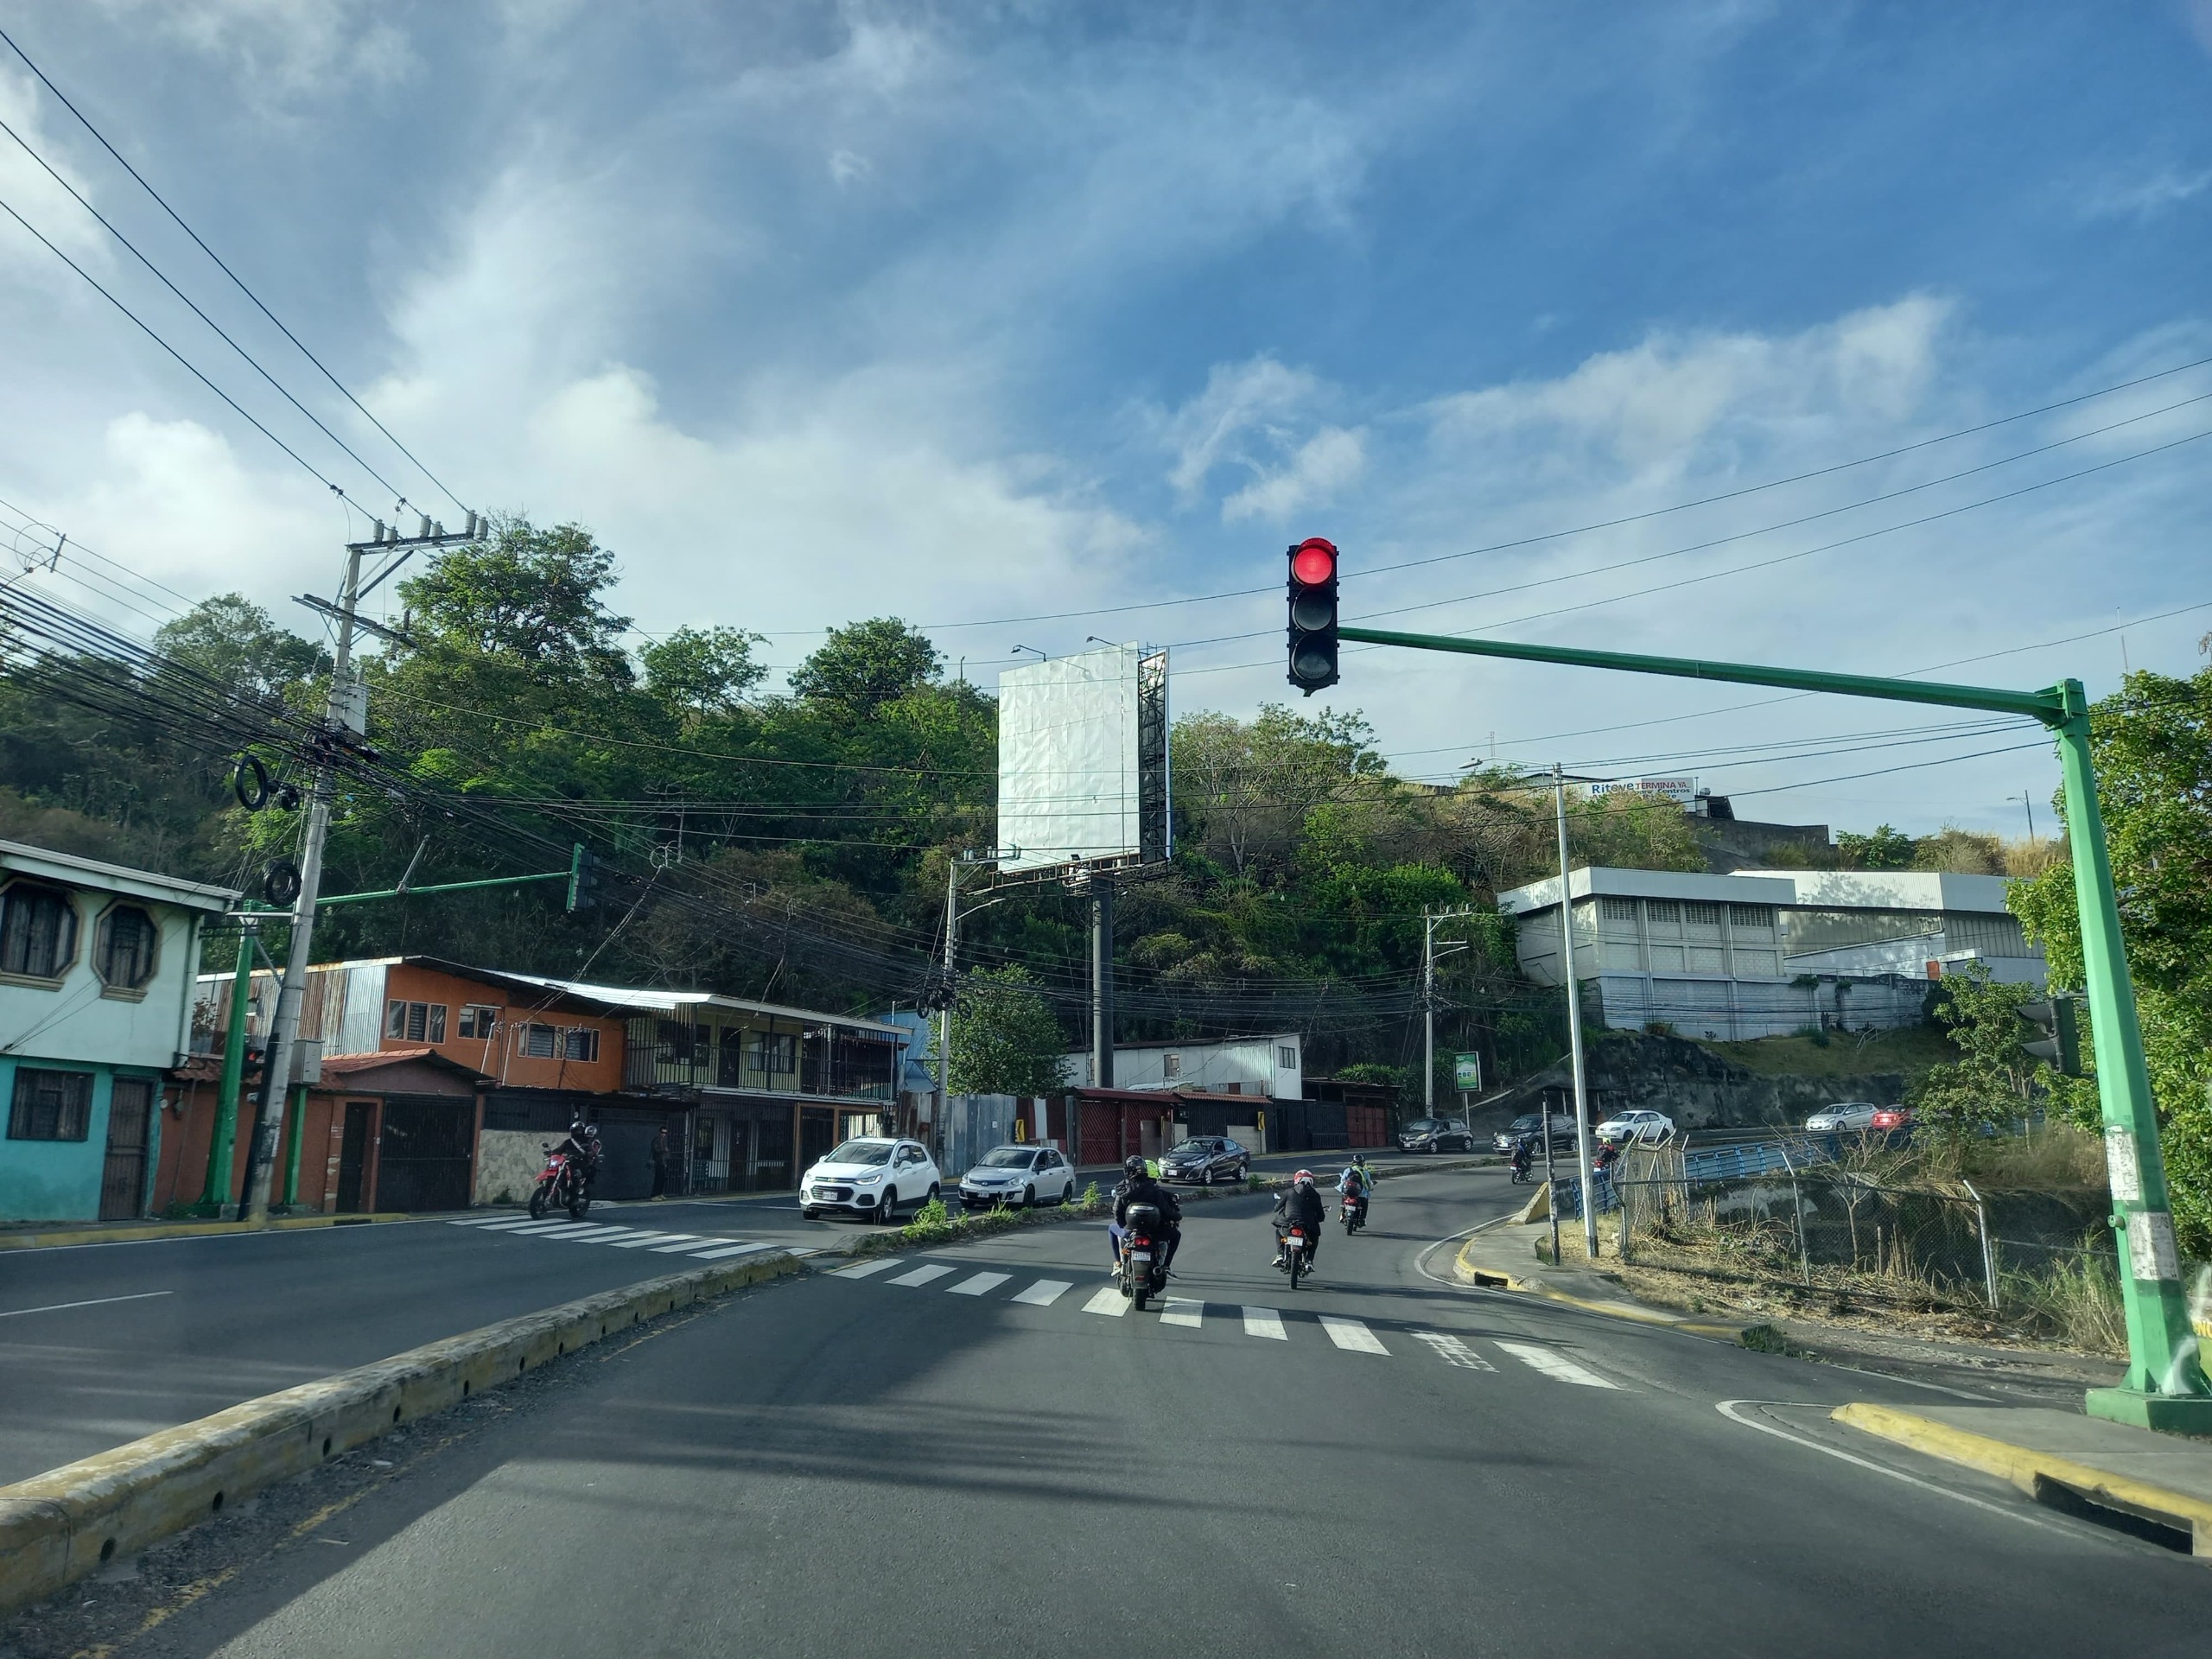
1304	1178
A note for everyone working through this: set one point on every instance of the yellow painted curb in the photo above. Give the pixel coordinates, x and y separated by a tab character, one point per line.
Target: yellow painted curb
59	1526
156	1229
2024	1467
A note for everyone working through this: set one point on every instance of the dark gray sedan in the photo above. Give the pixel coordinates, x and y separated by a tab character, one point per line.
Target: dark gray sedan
1204	1160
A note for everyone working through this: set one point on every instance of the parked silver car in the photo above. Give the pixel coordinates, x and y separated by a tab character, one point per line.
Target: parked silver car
1018	1174
1848	1117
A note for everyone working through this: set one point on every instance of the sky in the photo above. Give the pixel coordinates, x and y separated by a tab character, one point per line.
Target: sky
1868	337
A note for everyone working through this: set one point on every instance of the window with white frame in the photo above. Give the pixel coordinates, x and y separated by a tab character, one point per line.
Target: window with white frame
579	1043
38	931
1287	1058
414	1022
1171	1065
479	1019
535	1042
1618	910
775	1053
125	948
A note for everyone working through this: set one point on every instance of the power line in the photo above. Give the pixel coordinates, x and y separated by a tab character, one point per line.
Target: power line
86	120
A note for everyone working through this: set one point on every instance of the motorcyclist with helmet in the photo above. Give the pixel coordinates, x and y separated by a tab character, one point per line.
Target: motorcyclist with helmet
1140	1185
582	1146
1299	1204
1357	1182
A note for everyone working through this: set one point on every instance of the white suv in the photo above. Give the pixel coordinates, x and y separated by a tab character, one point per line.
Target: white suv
870	1178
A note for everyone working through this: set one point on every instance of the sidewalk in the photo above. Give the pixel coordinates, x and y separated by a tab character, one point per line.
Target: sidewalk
51	1235
2065	1459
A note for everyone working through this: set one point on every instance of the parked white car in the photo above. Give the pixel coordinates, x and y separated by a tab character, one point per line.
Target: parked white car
1018	1174
1849	1117
1651	1127
869	1177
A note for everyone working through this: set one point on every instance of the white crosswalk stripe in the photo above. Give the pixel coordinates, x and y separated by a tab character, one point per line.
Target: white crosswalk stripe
920	1276
723	1250
1109	1301
474	1221
642	1240
1556	1366
590	1234
979	1284
673	1242
1175	1310
1265	1322
861	1269
1351	1336
1045	1292
1452	1352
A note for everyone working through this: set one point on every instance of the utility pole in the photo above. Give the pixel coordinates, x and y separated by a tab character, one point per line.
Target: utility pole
1428	954
1102	980
344	719
944	1010
1573	1033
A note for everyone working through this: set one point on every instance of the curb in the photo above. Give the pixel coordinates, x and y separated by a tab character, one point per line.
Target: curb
158	1230
1491	1279
2035	1472
60	1526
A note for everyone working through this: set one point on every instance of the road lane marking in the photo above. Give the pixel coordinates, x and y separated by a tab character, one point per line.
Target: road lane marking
476	1221
978	1285
96	1301
1352	1336
1727	1409
541	1228
1175	1310
1109	1301
921	1275
1265	1322
680	1242
1452	1352
592	1233
728	1249
1558	1367
641	1240
1045	1292
861	1269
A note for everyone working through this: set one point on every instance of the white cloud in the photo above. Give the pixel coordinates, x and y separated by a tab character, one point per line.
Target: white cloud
32	192
1240	399
282	47
2147	195
1325	464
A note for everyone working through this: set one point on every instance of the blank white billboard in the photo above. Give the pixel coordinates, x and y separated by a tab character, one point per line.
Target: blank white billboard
1083	764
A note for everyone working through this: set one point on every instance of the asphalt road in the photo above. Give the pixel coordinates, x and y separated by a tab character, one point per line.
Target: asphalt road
1380	1462
101	1343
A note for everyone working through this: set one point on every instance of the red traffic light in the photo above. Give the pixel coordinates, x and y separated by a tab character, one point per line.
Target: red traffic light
1314	563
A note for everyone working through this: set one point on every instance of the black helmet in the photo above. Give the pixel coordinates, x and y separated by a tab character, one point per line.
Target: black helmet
1133	1166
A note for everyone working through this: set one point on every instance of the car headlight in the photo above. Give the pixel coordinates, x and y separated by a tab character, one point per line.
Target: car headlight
865	1180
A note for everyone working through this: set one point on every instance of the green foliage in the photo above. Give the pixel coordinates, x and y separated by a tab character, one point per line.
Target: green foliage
235	642
1959	852
2152	742
1005	1040
703	672
1884	849
531	597
864	666
1989	1083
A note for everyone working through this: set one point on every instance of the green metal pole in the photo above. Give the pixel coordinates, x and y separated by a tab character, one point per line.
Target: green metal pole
2165	1387
215	1196
292	1146
443	886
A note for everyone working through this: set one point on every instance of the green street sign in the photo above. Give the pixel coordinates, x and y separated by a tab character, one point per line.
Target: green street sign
1467	1072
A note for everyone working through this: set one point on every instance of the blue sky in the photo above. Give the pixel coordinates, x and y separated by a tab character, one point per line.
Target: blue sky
817	311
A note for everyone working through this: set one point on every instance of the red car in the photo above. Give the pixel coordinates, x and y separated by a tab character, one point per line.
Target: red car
1891	1117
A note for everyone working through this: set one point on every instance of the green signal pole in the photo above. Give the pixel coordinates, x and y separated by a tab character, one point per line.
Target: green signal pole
215	1196
2165	1387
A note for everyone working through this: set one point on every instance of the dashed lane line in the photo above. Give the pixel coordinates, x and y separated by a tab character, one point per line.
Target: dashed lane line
1265	1322
1045	1292
1352	1336
1558	1367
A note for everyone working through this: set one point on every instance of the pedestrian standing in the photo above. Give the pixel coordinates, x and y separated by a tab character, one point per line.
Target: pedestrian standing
660	1162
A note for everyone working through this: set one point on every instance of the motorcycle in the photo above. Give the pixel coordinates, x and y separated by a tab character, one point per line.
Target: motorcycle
1144	1273
1355	1212
1523	1168
1293	1252
565	1182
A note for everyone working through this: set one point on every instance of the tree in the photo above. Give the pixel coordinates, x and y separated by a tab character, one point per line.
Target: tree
230	639
1885	849
1005	1040
532	596
1959	852
2151	745
862	667
1990	1082
703	671
1245	790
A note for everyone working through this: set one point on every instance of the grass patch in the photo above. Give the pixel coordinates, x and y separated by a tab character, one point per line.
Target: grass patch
934	1226
1912	1051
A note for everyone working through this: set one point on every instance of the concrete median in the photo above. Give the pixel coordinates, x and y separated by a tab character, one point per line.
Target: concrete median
62	1525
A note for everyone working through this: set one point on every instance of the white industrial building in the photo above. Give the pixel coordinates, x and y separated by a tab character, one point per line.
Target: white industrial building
1237	1065
1768	952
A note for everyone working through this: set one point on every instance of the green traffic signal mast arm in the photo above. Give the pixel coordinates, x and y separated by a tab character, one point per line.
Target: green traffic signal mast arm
577	863
2165	1387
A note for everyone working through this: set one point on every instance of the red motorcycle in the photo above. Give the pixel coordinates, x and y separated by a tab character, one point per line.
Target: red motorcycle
565	1182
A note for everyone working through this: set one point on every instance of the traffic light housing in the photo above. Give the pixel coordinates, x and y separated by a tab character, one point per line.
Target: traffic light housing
583	878
1312	592
2058	1043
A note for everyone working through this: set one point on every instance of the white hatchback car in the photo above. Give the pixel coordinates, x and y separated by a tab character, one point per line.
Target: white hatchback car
1850	1116
1651	1127
871	1178
1019	1174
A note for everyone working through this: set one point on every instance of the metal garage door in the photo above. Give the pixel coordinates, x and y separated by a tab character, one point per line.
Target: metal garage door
424	1154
